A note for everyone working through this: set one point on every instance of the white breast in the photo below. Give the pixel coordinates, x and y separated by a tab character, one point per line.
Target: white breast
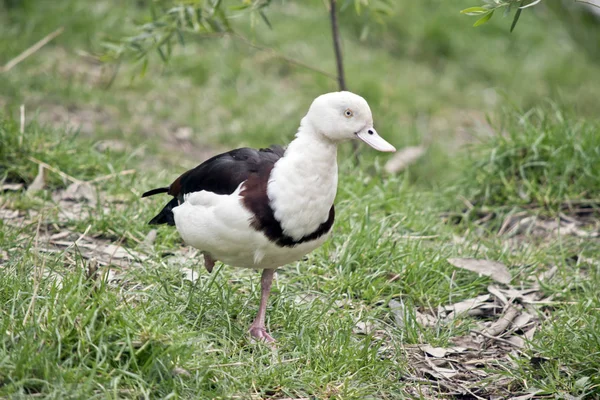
302	187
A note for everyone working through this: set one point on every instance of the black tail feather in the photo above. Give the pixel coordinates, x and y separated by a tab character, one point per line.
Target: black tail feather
165	216
155	191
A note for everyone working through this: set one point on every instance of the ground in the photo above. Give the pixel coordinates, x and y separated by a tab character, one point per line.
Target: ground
471	273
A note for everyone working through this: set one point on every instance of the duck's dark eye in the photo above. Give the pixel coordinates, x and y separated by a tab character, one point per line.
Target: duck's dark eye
370	131
348	113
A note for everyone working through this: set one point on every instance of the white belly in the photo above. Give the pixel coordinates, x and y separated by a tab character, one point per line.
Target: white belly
220	226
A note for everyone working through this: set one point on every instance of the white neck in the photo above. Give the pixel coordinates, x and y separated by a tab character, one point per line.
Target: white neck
303	183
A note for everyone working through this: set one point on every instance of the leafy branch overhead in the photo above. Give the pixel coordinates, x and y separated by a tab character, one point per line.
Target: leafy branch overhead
487	10
171	22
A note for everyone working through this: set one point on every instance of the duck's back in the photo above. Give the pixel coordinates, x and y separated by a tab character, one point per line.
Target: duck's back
221	174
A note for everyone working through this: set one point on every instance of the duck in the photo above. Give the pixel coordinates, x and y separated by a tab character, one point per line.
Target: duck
265	208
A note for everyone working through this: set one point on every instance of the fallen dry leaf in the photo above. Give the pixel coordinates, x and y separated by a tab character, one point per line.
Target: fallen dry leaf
503	322
498	294
92	269
181	371
110	144
440	373
521	226
60	235
529	334
3	257
190	274
363	328
403	158
119	252
517	341
494	269
466	305
440	352
80	191
8	214
150	237
547	275
467	342
522	320
525	296
39	182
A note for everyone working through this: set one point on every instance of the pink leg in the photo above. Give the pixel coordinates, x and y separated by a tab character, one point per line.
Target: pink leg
209	263
258	329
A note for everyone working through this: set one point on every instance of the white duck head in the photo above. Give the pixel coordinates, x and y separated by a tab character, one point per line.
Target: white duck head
342	116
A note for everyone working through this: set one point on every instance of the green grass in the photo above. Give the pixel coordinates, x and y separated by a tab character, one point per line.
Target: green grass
543	158
146	331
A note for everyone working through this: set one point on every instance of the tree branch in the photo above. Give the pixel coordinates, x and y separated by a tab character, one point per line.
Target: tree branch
589	3
341	78
278	54
336	45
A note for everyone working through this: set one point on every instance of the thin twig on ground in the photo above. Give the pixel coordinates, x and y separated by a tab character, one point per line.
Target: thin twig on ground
55	170
12	63
76	242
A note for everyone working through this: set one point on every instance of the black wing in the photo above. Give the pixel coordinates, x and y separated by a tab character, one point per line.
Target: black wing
221	174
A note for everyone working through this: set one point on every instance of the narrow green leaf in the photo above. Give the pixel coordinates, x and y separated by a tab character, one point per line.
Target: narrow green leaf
180	37
224	20
265	19
144	67
484	19
516	18
162	54
240	7
474	11
169	48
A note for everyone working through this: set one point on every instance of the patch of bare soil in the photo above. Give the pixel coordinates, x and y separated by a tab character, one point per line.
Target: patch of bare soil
89	119
139	119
